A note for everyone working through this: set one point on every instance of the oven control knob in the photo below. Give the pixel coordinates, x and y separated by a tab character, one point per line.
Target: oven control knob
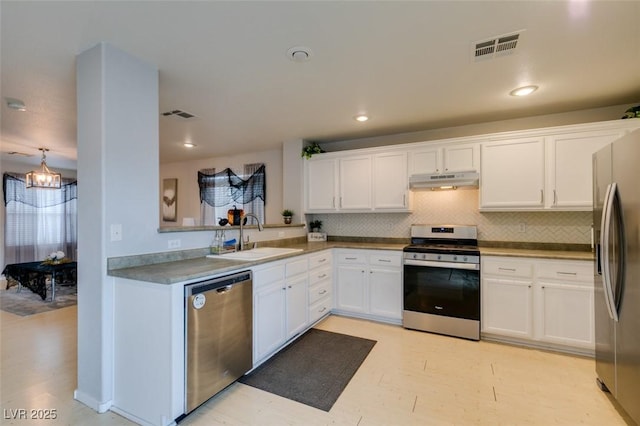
439	257
455	258
415	255
464	258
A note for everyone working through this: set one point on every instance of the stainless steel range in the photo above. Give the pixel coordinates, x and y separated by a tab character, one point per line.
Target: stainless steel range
442	280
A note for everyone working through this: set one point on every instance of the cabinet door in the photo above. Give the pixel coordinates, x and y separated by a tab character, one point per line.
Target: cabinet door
321	184
566	314
390	181
351	288
270	320
385	293
462	158
427	160
355	183
570	167
512	174
507	307
297	305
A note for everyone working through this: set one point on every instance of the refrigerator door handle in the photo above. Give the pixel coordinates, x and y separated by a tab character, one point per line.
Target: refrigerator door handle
604	244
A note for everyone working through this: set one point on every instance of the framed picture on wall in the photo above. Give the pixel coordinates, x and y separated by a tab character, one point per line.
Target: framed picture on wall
170	200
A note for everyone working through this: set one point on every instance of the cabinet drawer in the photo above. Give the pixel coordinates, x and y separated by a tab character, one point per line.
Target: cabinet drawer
566	271
351	258
385	259
319	290
507	268
296	267
319	309
268	275
318	260
319	275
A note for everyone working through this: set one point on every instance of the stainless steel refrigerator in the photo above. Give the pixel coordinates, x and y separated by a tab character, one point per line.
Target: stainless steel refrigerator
616	219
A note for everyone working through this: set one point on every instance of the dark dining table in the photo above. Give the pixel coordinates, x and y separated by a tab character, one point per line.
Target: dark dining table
33	275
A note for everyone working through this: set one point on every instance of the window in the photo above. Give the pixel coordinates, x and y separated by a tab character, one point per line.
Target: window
221	191
39	221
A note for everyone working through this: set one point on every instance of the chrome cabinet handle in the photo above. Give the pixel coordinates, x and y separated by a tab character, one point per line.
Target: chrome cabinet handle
384	260
555	198
507	269
567	273
322	292
322	276
324	308
542	196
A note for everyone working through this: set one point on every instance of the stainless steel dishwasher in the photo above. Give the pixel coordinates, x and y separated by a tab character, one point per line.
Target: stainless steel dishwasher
218	335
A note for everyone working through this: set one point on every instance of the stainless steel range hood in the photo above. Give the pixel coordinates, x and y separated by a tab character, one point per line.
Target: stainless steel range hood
452	180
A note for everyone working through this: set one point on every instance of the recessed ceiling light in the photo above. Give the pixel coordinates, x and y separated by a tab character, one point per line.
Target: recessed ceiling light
523	91
16	104
361	118
188	144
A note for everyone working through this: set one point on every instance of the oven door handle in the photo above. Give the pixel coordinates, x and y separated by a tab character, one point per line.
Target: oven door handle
452	265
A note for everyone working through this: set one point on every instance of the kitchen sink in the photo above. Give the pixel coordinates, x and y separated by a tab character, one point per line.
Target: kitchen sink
259	253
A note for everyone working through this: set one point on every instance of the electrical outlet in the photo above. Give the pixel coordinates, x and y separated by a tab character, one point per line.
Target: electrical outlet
522	227
174	244
116	232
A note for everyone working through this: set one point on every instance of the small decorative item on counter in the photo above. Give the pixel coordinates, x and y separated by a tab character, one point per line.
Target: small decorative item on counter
55	258
309	150
223	221
235	215
287	215
633	112
316	236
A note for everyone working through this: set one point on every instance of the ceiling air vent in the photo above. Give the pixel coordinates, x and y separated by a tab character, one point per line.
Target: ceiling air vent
496	47
178	113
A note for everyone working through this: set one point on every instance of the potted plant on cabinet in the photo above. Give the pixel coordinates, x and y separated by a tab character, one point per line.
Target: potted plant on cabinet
286	215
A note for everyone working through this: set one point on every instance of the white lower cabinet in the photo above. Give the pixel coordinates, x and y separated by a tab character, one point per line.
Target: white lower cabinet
320	285
280	305
369	284
507	307
546	302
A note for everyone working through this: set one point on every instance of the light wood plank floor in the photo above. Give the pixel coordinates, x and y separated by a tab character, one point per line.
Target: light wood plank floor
409	378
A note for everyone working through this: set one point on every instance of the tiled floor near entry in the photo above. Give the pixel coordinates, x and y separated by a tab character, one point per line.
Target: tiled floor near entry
409	378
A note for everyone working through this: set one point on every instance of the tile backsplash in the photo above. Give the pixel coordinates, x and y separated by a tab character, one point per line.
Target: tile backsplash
461	208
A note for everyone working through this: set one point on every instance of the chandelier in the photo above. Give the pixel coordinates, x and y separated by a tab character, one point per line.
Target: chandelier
43	178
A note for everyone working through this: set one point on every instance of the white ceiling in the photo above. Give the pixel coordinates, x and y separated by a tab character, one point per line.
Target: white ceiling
407	64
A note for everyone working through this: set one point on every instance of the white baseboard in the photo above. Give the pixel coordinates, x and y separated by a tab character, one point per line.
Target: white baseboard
91	402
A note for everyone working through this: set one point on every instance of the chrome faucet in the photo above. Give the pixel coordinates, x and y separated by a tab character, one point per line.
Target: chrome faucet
242	227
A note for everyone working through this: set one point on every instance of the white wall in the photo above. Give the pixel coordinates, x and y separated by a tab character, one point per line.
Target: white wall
117	184
187	174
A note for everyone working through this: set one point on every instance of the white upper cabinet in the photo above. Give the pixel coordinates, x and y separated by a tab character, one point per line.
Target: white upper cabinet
551	169
442	159
512	174
461	158
322	181
426	160
569	167
390	181
355	183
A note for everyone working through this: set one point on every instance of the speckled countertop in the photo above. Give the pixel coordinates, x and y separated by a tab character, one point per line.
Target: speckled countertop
181	270
544	254
190	265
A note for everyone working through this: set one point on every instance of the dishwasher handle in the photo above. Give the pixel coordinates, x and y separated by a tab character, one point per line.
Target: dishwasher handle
220	284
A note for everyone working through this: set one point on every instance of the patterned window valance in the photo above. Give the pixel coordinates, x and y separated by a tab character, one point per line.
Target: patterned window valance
14	189
226	187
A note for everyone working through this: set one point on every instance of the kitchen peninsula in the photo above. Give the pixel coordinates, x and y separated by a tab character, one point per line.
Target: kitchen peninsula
149	299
